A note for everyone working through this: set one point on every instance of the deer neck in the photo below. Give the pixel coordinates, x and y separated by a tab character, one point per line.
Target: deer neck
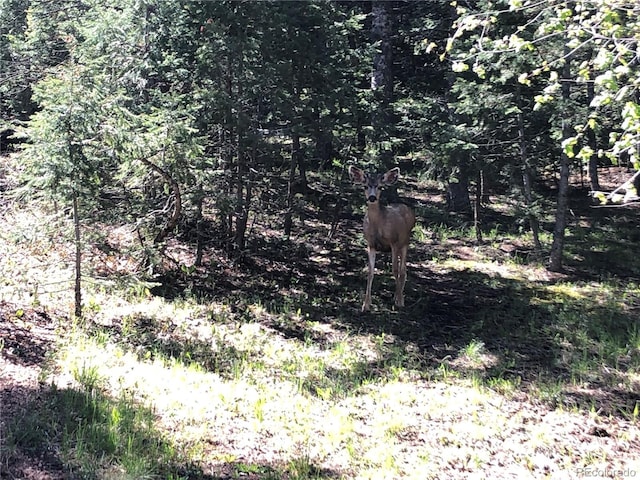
375	210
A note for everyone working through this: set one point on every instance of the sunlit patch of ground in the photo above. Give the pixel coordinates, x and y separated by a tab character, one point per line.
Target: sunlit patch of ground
402	427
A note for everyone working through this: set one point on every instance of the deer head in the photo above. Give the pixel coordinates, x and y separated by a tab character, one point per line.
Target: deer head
373	183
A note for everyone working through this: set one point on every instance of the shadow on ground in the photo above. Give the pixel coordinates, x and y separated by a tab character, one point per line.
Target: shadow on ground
74	433
534	335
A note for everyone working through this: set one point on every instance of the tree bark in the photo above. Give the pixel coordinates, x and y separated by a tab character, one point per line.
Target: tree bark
557	247
527	175
78	260
323	139
477	207
382	77
592	141
173	219
199	200
242	187
295	152
228	132
458	199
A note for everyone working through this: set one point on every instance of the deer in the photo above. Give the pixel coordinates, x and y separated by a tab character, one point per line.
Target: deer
386	228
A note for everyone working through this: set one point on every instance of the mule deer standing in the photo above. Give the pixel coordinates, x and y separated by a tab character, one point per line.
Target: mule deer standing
385	228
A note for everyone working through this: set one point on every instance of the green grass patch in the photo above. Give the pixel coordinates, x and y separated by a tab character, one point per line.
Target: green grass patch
93	434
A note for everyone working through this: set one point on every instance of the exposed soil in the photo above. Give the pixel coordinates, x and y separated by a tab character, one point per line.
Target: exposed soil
27	335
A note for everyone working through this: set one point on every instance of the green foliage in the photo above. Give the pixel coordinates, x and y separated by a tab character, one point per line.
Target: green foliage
63	155
598	37
14	69
212	96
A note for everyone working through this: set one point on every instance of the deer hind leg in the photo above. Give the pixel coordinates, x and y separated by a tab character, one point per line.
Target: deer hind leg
400	273
372	265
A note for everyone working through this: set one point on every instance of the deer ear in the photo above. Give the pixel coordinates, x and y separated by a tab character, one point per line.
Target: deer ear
357	175
391	176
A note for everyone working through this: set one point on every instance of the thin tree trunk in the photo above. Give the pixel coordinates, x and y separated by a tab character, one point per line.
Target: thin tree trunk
484	191
295	152
557	247
78	241
382	77
242	219
323	139
592	141
199	221
527	176
76	156
227	156
534	224
242	203
477	207
242	206
458	199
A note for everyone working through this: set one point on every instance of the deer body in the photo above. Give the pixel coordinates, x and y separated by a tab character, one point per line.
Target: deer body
386	228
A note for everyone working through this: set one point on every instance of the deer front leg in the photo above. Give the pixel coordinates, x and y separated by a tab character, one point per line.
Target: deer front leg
372	266
400	273
394	269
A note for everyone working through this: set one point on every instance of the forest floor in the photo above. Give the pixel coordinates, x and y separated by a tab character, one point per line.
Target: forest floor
263	366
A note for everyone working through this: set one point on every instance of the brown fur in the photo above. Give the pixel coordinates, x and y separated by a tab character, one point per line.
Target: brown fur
385	228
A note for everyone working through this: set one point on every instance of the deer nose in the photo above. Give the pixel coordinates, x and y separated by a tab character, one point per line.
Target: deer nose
373	198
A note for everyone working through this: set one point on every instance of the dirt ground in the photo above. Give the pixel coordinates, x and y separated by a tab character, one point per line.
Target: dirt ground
27	336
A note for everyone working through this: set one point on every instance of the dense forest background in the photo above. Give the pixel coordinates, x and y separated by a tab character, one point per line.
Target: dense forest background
141	110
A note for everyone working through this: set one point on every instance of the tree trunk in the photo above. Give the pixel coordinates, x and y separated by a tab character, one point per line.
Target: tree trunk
485	199
227	140
458	199
592	141
295	152
199	200
382	75
477	207
78	241
382	78
557	248
243	192
527	175
323	139
242	188
242	216
173	219
534	224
